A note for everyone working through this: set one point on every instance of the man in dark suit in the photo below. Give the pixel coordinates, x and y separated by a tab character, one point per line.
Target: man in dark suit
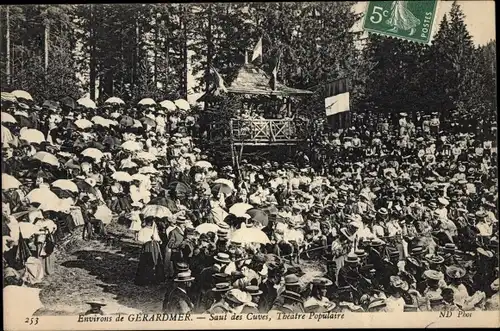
178	301
175	239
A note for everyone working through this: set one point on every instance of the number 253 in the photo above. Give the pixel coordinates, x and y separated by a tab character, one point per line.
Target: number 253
31	320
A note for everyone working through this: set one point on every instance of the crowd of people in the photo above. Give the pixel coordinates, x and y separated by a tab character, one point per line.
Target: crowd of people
386	217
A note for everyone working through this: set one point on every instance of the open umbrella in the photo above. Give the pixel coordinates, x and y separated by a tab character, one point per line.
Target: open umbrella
182	104
115	100
204	164
32	136
156	211
128	164
8	118
249	235
83	123
6	96
22	301
259	215
146	156
22	118
122	176
148	121
148	170
239	209
93	153
50	105
133	146
104	214
169	105
225	182
68	102
41	195
207	227
221	188
147	102
83	186
137	124
47	158
99	120
9	182
20	94
66	184
87	103
180	188
7	137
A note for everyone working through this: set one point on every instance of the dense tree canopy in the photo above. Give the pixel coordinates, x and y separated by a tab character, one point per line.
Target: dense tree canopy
146	50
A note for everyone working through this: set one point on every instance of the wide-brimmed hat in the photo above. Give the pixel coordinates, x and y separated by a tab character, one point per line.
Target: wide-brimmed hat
221	277
182	266
361	253
485	253
253	290
397	282
184	276
449	247
383	211
433	274
443	201
434	259
222	287
237	296
481	214
455	272
351	258
96	303
222	258
376	242
222	233
292	296
180	219
292	280
321	281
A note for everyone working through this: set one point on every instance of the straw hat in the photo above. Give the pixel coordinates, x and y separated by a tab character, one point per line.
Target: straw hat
222	258
455	272
238	296
433	274
321	281
184	276
222	287
292	280
253	290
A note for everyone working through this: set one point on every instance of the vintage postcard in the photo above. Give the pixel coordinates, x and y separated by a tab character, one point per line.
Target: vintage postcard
249	165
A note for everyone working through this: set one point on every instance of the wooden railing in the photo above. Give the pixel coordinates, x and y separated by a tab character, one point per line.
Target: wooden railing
264	131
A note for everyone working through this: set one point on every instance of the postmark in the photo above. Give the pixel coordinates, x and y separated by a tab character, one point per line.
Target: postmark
409	20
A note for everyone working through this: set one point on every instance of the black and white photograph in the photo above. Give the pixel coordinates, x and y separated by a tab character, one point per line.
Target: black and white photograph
199	165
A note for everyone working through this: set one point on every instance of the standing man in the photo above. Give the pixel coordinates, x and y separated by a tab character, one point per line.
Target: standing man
175	239
178	300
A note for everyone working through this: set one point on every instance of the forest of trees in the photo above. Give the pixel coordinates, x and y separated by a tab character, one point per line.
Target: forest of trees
146	50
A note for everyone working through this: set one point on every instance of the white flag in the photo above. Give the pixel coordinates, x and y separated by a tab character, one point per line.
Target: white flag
337	104
257	51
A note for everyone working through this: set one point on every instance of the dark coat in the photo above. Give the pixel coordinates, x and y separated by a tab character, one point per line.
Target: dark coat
177	302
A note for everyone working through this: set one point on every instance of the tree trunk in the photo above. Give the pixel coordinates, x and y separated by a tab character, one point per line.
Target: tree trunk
155	70
209	49
185	52
46	46
92	54
136	56
7	37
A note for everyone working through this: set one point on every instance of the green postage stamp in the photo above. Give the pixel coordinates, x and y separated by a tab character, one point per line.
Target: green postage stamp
410	20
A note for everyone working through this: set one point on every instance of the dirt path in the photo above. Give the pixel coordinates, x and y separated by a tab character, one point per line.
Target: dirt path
94	270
